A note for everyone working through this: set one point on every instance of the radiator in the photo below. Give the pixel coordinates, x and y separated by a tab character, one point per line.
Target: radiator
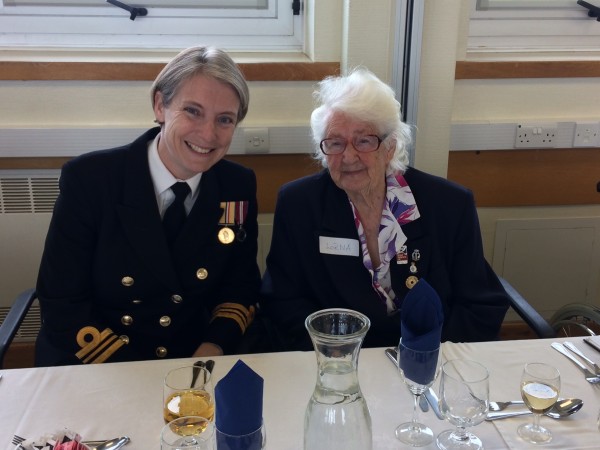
26	202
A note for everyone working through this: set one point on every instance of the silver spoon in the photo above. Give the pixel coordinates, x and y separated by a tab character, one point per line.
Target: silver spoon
562	408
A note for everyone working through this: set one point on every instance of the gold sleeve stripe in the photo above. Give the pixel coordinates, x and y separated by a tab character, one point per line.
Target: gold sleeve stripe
234	311
116	345
97	347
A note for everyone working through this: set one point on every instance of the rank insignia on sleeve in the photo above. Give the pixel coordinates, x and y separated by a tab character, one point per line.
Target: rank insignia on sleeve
96	346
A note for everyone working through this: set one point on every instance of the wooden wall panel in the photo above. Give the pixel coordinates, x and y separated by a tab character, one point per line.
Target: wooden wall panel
271	171
470	70
528	177
25	70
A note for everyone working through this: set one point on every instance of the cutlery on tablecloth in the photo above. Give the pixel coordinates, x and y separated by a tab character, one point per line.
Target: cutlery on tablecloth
501	406
589	362
433	400
589	341
429	397
561	409
589	376
208	365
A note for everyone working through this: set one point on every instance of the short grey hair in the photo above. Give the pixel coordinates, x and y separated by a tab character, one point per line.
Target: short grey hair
364	97
208	61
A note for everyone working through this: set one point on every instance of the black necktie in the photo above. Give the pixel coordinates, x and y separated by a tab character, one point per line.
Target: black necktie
175	214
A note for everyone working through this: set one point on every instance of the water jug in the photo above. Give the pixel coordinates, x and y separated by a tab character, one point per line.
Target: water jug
337	416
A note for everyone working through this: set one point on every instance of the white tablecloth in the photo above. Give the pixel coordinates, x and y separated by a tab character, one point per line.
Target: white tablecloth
109	400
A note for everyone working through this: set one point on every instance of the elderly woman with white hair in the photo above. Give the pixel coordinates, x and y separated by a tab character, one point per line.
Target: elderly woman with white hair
362	232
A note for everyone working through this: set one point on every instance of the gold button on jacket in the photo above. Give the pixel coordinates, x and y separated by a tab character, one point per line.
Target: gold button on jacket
202	273
127	281
126	320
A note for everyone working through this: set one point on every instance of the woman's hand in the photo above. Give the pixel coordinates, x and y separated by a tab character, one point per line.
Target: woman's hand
207	349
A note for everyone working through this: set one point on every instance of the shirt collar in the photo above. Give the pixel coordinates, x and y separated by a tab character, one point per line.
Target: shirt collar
161	177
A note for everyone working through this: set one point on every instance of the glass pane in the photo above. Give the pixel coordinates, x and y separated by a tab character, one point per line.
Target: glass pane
484	5
254	4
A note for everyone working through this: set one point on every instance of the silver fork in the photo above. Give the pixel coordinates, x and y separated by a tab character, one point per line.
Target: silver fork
589	376
500	406
579	353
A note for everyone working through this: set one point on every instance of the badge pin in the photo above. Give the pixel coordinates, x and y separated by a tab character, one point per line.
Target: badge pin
226	235
416	255
402	255
413	268
411	281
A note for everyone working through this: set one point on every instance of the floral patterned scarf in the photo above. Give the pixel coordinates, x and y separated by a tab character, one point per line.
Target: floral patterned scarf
399	209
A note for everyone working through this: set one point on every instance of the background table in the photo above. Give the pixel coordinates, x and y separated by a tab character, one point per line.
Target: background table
109	400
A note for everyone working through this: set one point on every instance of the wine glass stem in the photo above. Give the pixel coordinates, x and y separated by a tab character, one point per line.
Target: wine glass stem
536	421
461	434
415	417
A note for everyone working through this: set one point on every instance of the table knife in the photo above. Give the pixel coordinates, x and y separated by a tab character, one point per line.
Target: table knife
589	376
428	398
587	360
592	343
433	400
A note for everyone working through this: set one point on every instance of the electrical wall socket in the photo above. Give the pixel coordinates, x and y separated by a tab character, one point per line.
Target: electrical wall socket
256	140
587	134
536	135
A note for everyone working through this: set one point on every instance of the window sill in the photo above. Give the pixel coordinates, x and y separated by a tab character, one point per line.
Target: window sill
144	67
471	70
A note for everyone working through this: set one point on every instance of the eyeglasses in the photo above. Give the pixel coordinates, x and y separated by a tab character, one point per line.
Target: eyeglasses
363	144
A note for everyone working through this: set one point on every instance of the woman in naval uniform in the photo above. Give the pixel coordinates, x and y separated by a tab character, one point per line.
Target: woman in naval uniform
151	251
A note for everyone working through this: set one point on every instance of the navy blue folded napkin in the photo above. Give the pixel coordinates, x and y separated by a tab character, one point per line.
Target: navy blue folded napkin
239	404
421	330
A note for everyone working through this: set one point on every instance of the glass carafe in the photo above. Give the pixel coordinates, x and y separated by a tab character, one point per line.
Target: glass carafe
337	416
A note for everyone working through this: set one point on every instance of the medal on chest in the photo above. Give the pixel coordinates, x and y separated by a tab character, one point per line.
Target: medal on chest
233	218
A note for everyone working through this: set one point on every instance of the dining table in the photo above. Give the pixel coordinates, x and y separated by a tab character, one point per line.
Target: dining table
103	401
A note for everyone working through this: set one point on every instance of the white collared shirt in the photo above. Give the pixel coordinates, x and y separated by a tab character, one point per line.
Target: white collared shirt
162	180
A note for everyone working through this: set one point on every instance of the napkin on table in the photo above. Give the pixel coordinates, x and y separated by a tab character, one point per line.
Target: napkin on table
239	404
61	440
421	329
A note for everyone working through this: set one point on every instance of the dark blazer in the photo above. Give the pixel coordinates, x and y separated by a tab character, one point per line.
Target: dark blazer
300	280
106	263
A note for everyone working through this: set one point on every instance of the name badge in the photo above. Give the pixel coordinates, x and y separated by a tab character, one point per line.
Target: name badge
338	246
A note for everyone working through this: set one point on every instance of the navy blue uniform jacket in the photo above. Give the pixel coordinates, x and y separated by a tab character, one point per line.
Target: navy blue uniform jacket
106	263
300	280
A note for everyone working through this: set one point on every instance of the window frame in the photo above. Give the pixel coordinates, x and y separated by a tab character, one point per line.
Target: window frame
272	29
545	29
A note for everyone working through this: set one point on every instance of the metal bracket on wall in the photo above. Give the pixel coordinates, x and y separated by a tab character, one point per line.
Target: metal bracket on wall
593	11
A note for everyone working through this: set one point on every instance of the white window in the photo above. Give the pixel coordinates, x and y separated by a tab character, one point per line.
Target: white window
234	25
532	26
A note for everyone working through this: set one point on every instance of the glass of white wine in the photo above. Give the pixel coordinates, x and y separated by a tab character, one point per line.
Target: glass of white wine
189	433
188	391
464	401
540	386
